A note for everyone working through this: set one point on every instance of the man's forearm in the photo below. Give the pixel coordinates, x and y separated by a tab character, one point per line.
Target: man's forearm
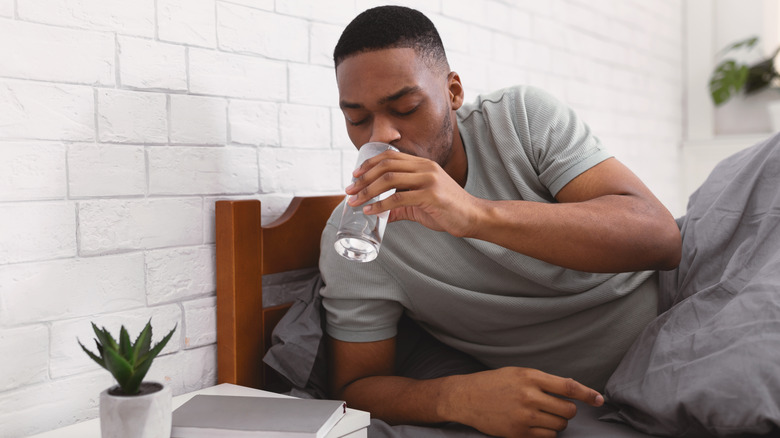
614	233
399	400
509	401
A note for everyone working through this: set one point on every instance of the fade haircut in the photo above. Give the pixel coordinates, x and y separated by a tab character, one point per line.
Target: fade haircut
392	27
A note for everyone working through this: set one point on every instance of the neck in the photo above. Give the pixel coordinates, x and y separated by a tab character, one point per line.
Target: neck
457	165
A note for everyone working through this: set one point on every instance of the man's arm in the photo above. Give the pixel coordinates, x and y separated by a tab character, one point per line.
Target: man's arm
505	402
606	220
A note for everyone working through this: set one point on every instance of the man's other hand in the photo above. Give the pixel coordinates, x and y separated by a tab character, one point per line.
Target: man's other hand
515	402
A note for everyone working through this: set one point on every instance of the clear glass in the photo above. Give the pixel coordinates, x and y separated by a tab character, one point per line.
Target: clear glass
360	235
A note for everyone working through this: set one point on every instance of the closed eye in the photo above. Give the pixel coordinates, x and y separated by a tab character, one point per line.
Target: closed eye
411	111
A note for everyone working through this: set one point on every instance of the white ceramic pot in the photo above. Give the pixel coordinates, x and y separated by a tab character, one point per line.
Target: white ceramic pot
147	415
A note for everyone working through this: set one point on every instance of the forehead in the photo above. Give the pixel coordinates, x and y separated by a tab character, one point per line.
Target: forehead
380	73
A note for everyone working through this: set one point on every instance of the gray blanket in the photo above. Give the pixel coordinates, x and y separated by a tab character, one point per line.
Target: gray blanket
710	364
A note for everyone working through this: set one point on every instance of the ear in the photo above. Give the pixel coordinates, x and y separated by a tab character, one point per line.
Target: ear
455	89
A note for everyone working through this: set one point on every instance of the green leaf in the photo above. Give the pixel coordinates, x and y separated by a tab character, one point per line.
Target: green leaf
143	364
99	347
139	373
105	338
124	344
157	348
121	370
747	43
142	343
94	357
727	79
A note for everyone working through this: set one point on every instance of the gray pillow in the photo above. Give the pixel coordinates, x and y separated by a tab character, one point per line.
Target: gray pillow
710	364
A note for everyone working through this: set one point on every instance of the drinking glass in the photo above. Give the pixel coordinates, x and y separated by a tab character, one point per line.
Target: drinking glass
360	235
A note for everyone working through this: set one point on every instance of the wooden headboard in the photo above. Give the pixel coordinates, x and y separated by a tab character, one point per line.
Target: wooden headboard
245	252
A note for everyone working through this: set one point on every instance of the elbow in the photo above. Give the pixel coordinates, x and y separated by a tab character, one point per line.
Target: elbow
669	249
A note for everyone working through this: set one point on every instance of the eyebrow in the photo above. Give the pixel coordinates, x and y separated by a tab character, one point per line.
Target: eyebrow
393	97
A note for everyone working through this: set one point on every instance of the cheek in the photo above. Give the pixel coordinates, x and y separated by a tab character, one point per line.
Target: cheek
358	135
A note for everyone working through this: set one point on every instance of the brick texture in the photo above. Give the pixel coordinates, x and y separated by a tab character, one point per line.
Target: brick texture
32	171
68	359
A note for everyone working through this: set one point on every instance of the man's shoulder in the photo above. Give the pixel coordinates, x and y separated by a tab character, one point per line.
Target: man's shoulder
508	98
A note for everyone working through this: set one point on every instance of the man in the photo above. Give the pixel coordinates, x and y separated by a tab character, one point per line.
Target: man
510	223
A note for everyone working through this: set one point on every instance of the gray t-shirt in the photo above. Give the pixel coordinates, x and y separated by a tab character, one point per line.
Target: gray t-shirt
500	306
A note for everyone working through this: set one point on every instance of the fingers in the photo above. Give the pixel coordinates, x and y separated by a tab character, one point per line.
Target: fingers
548	421
375	178
539	432
371	162
572	389
559	407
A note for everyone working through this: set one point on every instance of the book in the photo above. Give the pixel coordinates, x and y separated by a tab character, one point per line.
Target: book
267	417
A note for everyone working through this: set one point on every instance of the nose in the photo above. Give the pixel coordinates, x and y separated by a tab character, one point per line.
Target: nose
383	130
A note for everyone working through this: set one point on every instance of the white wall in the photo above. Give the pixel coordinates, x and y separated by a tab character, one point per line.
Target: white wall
122	122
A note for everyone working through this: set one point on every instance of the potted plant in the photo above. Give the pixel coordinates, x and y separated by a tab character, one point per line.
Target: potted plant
732	77
133	407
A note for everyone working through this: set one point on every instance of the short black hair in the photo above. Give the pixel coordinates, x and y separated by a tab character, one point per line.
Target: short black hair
390	27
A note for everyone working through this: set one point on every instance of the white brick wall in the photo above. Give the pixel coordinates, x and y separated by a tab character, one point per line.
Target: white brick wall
190	22
122	123
201	322
241	76
37	231
69	288
130	117
198	120
29	348
58	54
147	64
106	170
176	274
7	8
128	18
108	226
194	170
32	171
251	31
254	123
37	110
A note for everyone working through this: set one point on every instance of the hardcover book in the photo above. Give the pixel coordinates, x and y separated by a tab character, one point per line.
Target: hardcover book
234	416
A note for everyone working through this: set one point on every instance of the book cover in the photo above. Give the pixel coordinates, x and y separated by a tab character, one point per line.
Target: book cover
235	416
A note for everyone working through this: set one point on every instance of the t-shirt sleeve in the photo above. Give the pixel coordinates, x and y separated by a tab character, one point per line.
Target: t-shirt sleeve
561	144
359	298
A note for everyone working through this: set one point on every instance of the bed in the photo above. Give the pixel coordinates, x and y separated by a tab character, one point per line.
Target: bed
709	365
247	253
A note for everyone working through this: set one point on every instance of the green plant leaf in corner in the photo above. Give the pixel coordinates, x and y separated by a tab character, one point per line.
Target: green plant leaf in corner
105	338
729	77
124	343
157	348
121	370
145	362
142	343
139	373
747	43
94	357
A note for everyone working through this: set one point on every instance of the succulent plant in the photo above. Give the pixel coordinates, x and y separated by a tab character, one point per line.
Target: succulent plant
127	361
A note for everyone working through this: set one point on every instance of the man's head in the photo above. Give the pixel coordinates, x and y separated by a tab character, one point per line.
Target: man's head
395	85
392	27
